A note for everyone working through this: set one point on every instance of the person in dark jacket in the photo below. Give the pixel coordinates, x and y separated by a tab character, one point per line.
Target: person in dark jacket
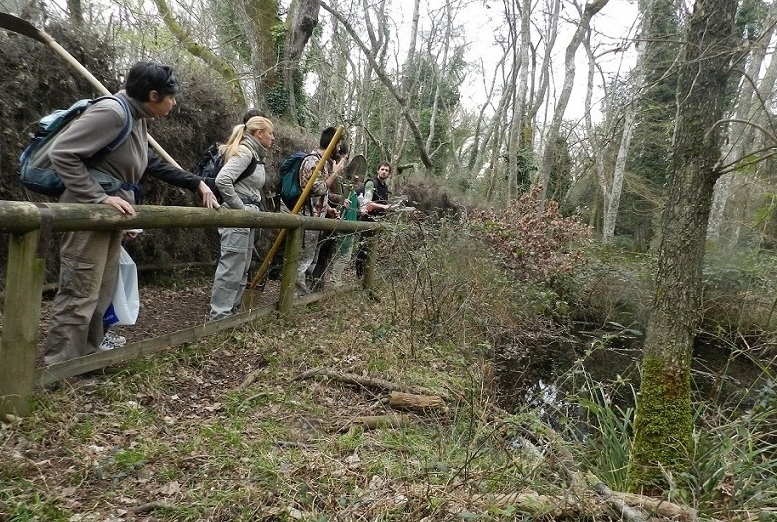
89	259
374	198
373	202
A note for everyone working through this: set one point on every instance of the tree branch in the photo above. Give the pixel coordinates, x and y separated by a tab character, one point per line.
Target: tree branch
203	53
387	83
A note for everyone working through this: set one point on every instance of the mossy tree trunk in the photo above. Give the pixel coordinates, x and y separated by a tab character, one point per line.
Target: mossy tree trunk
663	425
258	20
301	21
261	22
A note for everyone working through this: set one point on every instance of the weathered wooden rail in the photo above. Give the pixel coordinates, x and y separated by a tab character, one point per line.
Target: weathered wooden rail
30	226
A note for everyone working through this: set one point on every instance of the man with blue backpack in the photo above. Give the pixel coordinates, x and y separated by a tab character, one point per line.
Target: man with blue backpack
89	259
317	203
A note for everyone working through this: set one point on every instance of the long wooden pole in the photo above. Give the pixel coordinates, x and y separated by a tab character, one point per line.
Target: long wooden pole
300	202
25	28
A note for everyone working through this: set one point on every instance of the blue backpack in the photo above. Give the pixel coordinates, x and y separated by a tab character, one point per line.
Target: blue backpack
35	170
289	175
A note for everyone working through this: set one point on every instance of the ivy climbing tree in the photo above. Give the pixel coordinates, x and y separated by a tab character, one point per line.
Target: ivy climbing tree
663	424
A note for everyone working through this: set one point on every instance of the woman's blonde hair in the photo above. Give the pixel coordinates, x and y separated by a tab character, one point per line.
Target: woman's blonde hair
256	123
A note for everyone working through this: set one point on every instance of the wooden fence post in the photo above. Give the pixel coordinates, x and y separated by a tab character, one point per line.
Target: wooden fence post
369	265
30	226
289	275
21	315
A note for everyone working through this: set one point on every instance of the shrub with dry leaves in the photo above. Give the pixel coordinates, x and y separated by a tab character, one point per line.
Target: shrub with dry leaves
537	243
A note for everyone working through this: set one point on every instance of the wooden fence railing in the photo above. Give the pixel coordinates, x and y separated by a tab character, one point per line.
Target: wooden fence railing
30	226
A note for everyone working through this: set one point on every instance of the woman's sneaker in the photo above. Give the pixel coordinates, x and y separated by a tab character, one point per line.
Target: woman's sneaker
115	338
107	345
111	341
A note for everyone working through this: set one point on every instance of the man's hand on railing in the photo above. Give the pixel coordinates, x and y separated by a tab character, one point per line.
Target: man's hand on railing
372	206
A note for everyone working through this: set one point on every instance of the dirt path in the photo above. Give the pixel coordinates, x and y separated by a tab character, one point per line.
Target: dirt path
163	309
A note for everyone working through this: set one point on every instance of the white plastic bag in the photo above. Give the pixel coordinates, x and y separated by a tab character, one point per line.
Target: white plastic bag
126	298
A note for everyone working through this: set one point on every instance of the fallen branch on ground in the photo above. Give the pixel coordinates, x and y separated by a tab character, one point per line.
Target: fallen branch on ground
422	403
562	506
151	506
626	506
373	422
366	382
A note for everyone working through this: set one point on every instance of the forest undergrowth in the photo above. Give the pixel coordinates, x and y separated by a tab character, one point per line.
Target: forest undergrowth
469	386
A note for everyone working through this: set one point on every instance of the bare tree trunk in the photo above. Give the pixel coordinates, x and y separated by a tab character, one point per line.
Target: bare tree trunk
551	33
750	106
384	78
523	63
75	12
474	163
518	73
401	130
569	78
611	197
441	66
595	145
496	146
663	424
375	21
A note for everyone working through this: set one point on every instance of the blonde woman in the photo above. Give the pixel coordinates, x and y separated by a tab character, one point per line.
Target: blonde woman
240	182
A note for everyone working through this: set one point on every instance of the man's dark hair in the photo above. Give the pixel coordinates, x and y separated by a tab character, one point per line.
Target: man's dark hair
250	113
326	137
144	77
342	150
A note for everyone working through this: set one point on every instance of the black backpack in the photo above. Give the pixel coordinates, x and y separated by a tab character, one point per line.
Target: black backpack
211	164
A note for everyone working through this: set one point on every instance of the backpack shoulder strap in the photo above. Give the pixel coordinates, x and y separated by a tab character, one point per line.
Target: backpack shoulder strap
125	130
303	156
248	170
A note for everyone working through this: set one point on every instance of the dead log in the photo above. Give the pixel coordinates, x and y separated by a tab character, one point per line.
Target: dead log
411	402
628	506
658	506
366	382
374	422
552	507
597	507
250	379
616	503
560	506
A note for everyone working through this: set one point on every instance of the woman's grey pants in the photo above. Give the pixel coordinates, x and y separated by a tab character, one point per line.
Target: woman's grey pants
237	246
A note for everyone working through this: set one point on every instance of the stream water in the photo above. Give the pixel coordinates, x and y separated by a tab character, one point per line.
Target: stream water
541	372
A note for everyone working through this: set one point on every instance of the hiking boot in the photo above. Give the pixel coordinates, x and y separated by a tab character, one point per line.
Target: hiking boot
118	340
